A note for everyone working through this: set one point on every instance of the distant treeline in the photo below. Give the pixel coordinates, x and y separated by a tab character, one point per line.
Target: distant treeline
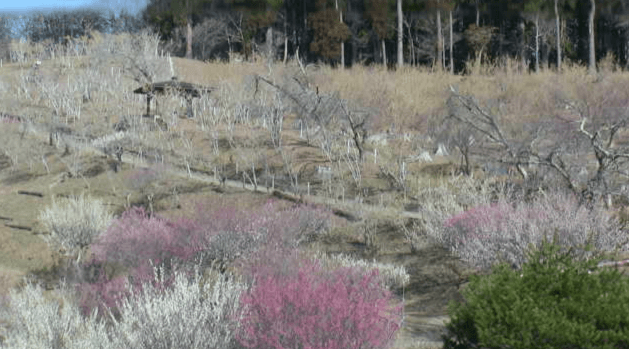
445	33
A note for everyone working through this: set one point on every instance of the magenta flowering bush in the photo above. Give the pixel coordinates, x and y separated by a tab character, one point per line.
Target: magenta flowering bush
138	179
137	238
503	230
103	294
9	119
138	241
313	308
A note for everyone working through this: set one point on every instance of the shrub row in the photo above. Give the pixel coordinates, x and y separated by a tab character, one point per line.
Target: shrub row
180	303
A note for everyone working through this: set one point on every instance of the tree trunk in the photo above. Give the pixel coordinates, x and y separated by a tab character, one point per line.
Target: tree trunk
451	47
400	35
439	40
270	46
384	53
477	15
336	3
523	48
189	38
592	57
412	48
285	38
537	42
558	28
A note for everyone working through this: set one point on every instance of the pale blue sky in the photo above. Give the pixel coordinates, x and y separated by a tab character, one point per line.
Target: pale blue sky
25	6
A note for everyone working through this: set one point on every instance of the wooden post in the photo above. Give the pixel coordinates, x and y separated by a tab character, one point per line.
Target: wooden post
189	109
308	188
148	104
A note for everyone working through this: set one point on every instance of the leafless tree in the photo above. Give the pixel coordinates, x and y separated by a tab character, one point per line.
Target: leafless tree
581	144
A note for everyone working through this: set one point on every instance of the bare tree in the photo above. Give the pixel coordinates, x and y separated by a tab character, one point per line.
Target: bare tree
468	111
581	145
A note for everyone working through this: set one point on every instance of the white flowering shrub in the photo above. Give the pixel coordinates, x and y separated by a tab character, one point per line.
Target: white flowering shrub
392	275
37	321
191	312
73	223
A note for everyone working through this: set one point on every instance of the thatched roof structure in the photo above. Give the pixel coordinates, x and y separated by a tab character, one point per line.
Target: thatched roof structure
185	89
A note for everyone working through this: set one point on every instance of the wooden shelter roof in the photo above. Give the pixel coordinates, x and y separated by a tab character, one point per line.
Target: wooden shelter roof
185	88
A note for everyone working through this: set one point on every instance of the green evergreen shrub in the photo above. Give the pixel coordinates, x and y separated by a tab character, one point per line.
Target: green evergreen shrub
552	302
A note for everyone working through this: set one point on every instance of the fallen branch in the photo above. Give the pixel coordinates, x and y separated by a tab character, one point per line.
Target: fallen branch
20	227
5	218
32	193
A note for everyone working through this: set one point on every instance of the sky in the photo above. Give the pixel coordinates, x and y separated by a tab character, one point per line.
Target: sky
20	8
24	7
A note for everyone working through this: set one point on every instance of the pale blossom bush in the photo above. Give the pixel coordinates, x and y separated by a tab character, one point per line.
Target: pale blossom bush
308	307
193	311
483	234
74	223
442	200
391	275
37	321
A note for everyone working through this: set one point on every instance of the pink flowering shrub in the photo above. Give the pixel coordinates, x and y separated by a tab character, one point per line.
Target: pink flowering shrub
310	308
503	230
266	232
135	238
139	179
138	241
103	294
9	119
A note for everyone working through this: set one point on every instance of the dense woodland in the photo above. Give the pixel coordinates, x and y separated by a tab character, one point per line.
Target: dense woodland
446	33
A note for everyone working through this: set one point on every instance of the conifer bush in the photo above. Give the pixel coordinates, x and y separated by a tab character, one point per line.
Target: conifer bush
307	307
553	302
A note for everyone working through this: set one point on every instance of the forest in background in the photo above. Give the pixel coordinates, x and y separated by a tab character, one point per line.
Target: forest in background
437	33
